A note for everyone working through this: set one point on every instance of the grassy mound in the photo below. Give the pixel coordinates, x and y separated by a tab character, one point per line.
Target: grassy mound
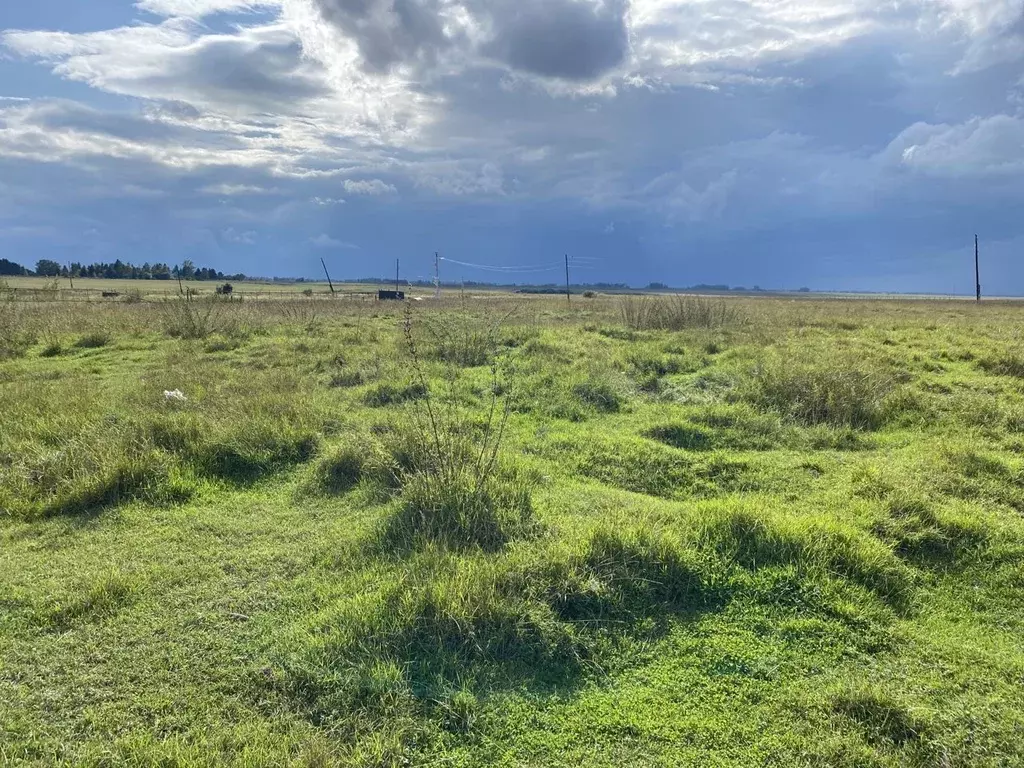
90	473
644	467
919	532
755	540
532	617
231	450
623	574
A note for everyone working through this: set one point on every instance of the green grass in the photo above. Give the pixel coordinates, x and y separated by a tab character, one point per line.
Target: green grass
774	533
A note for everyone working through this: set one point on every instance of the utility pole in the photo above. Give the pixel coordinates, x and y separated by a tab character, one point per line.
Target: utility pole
568	294
977	269
437	275
71	277
328	275
396	275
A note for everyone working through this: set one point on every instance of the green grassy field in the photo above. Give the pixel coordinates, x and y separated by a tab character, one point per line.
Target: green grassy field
495	531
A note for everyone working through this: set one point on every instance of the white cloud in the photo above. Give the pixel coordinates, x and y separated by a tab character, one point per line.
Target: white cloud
992	146
235	237
197	9
461	178
368	187
231	190
326	241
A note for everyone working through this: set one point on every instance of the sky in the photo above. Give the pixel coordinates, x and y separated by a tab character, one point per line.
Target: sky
833	144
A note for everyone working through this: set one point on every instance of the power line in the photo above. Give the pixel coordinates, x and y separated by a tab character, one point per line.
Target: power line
550	267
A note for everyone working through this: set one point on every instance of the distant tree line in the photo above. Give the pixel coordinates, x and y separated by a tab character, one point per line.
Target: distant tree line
118	270
10	269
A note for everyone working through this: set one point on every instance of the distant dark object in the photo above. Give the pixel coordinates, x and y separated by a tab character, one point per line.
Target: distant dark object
657	287
110	294
804	290
307	292
543	290
390	295
589	294
225	290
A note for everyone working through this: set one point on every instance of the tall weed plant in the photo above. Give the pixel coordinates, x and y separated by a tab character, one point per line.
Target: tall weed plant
456	488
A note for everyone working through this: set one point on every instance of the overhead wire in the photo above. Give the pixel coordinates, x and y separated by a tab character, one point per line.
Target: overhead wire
549	267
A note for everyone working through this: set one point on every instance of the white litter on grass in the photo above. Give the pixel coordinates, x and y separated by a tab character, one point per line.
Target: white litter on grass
175	396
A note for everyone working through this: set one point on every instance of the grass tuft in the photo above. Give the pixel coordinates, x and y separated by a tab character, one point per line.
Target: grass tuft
102	598
821	393
682	436
677	313
94	340
1006	364
340	469
883	719
388	394
598	393
620	574
460	511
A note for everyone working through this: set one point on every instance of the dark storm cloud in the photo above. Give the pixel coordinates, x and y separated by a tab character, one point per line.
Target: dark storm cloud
568	39
389	32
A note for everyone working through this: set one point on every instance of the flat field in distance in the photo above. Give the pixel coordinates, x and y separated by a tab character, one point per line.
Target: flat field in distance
500	530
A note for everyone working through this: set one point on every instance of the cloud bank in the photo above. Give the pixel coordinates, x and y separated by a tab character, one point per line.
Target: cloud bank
854	142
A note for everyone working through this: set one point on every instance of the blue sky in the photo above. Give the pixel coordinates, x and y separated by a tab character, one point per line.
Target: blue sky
837	144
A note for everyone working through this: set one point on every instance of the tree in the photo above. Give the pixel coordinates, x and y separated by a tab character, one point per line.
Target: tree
188	270
12	269
47	268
